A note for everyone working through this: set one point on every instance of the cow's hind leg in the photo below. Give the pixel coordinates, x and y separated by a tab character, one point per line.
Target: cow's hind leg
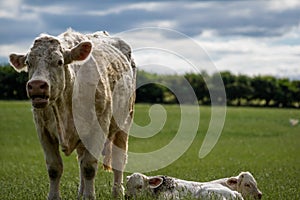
88	168
119	158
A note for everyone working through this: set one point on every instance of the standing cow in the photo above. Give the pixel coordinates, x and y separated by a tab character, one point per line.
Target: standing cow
55	65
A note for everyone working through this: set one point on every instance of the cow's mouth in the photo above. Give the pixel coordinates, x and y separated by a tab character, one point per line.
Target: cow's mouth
39	101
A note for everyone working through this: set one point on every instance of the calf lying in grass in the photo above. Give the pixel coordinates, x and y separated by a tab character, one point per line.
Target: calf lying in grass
164	187
244	183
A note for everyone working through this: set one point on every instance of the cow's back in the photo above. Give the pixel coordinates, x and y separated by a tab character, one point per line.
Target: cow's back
114	74
112	55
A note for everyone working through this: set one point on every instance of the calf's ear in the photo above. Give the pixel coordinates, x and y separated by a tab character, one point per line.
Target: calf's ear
78	53
17	61
155	182
232	182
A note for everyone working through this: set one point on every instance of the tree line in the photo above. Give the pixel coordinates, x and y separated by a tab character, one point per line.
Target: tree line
241	90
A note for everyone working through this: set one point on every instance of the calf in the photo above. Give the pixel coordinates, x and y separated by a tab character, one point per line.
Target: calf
164	187
244	183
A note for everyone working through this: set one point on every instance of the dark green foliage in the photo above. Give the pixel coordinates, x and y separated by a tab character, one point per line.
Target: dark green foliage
241	90
12	83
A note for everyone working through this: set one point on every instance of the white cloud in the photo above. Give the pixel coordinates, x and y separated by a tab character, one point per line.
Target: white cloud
146	6
281	5
199	5
167	51
159	23
49	9
20	10
10	9
16	10
7	49
169	48
253	56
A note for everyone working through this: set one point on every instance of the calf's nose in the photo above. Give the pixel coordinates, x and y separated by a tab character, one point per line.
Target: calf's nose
259	195
37	87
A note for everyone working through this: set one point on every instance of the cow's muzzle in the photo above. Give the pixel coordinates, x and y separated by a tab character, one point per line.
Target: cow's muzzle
38	92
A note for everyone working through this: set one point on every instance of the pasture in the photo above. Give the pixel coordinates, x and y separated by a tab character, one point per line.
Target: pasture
259	140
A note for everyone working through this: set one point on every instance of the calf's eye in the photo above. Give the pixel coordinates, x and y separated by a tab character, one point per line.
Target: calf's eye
247	185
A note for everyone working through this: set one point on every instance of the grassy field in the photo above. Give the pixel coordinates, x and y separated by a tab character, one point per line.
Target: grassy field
259	140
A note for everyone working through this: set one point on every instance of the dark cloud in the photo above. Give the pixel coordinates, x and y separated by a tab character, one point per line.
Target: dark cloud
236	18
245	18
13	31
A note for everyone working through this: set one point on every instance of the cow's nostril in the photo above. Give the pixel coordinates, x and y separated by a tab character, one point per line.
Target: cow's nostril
29	87
44	86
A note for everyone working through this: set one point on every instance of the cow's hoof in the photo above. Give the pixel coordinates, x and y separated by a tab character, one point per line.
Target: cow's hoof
89	197
118	192
54	197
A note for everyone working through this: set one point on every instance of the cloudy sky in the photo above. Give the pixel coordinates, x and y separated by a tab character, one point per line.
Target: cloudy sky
247	37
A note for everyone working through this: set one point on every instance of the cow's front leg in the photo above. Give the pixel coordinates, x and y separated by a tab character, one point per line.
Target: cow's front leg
119	158
54	164
88	168
54	172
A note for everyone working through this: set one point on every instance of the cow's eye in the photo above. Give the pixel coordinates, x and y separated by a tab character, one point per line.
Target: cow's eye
60	62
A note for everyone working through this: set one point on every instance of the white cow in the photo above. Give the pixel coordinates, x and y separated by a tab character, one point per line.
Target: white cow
165	187
54	64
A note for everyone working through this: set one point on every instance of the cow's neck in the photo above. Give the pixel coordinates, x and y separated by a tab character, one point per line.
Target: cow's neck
64	117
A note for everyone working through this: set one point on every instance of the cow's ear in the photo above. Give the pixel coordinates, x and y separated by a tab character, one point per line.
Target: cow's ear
79	53
17	61
232	182
155	182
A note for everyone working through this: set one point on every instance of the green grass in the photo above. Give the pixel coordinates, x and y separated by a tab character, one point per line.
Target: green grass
259	140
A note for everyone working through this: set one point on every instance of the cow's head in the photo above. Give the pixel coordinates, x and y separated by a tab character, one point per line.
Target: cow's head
245	184
46	63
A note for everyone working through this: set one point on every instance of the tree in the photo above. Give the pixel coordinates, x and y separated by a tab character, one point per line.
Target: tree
295	85
148	90
230	87
237	87
12	83
216	91
197	82
284	93
244	89
265	88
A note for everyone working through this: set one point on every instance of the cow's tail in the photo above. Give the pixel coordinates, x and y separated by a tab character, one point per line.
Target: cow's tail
107	153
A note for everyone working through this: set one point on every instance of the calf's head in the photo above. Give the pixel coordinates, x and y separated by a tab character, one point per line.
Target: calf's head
46	63
245	184
139	184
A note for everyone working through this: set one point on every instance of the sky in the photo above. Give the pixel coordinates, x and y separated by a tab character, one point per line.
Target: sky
244	37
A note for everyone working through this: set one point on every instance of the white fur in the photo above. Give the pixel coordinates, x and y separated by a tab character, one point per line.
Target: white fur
139	184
